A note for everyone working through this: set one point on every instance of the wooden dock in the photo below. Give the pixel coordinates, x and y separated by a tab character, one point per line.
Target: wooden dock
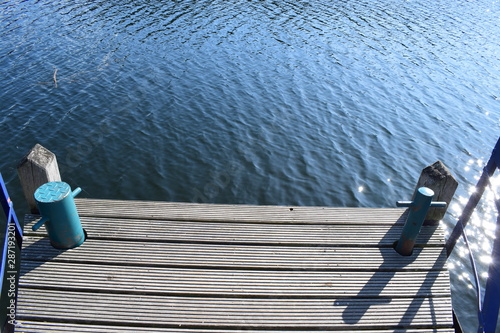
179	267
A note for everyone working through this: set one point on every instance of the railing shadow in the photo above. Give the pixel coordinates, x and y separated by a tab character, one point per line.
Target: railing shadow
424	290
370	294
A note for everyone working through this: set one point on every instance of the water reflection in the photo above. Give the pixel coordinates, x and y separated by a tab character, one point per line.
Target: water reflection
308	102
480	232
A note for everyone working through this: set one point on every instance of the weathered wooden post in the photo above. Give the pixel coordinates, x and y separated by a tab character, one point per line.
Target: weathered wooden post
439	179
38	167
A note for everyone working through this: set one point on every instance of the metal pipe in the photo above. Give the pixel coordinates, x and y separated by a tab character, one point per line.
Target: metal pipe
418	210
58	210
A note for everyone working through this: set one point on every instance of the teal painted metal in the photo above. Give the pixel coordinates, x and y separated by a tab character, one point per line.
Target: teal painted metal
58	210
418	210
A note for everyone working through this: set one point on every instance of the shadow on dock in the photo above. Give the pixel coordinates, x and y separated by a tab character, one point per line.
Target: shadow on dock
356	309
40	246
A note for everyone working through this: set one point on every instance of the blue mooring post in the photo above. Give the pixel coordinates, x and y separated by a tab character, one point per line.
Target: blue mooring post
58	210
418	210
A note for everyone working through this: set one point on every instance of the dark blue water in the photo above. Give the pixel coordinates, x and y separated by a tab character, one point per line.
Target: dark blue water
332	103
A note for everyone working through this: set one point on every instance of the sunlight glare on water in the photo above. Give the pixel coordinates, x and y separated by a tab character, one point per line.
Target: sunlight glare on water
481	233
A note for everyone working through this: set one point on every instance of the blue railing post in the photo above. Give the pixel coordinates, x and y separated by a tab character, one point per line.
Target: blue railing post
418	210
9	261
8	208
491	303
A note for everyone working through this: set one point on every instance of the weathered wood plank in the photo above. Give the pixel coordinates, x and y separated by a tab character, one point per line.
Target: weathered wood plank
175	267
42	327
249	233
234	283
167	311
236	256
152	210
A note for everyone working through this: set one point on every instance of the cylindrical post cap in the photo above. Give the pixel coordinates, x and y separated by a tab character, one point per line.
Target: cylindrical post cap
52	192
426	191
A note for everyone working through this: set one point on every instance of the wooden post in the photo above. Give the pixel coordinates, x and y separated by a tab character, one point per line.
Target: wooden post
438	178
38	167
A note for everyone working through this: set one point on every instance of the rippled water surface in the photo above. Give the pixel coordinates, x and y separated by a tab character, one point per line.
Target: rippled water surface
332	103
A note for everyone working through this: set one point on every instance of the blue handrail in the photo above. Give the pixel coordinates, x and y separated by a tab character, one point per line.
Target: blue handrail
13	236
8	208
488	308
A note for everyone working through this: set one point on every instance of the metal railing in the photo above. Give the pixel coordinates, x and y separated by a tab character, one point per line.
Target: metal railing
488	308
9	266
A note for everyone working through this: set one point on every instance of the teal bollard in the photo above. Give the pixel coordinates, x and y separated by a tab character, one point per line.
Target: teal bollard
418	210
58	210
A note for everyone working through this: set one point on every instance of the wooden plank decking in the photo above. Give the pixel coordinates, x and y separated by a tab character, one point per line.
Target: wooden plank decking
175	267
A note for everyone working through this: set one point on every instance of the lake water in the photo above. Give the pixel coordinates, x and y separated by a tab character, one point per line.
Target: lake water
329	103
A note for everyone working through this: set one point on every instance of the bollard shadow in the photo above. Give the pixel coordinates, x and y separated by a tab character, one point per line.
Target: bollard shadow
38	252
371	293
